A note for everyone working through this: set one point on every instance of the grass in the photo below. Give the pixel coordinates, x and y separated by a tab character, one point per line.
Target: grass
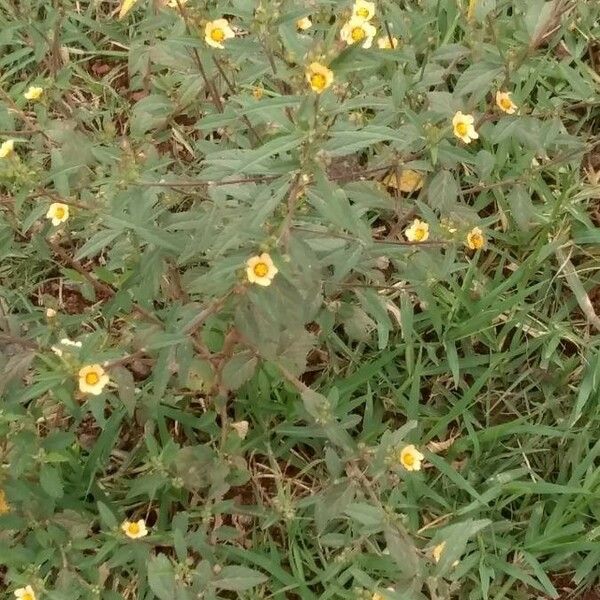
178	162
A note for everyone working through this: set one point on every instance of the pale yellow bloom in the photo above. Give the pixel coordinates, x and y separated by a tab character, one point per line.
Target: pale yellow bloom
261	270
173	3
33	93
363	10
50	313
304	23
126	7
25	593
437	551
258	92
216	32
384	42
418	231
410	181
134	529
241	428
319	77
358	31
464	128
7	148
92	379
4	505
505	103
410	458
58	212
475	239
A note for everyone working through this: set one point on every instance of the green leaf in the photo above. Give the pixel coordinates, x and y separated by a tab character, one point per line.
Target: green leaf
161	577
237	579
239	369
51	481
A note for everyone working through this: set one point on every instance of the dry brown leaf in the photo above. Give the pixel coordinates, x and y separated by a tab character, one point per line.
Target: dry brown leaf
410	181
437	447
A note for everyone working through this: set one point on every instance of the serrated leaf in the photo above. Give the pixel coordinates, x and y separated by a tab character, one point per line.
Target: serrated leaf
239	369
236	579
161	577
51	481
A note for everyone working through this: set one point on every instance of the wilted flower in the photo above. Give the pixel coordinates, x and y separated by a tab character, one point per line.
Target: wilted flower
4	505
475	239
241	428
384	42
505	103
463	127
319	77
216	32
437	551
418	231
260	269
58	213
304	23
92	379
134	529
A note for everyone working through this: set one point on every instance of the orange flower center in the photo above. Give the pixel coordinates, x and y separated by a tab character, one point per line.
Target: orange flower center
362	12
133	528
462	128
317	80
217	35
408	459
261	269
59	212
476	240
27	597
357	34
506	103
92	378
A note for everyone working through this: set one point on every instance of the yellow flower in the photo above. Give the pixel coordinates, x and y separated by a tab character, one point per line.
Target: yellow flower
173	3
410	458
418	231
92	379
50	313
357	30
319	77
134	529
475	239
25	593
410	181
33	93
7	148
4	505
363	10
304	23
463	127
258	92
437	551
384	42
58	212
260	269
216	32
504	102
